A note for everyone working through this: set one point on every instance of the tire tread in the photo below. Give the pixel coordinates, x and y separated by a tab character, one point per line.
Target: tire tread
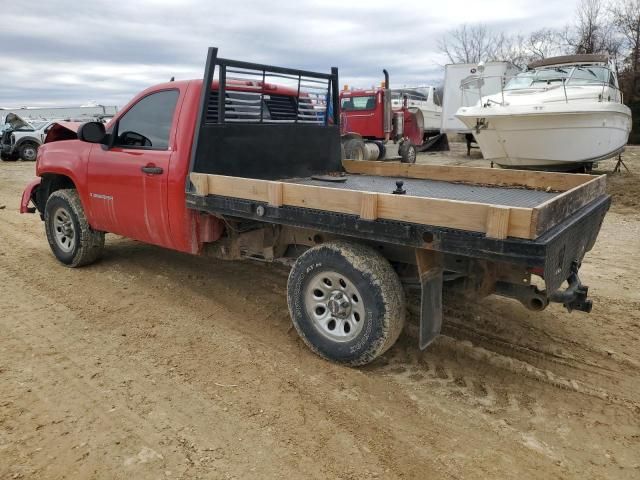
379	271
90	242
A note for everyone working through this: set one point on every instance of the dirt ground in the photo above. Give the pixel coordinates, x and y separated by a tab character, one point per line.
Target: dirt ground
154	364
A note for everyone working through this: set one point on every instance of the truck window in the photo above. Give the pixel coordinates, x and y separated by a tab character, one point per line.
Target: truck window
148	122
350	104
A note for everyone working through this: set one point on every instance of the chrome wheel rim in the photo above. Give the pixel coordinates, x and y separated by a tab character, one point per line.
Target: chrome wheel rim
335	306
29	153
64	230
411	155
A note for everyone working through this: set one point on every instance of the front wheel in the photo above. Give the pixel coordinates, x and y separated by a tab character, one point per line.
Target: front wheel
408	152
72	240
28	152
346	302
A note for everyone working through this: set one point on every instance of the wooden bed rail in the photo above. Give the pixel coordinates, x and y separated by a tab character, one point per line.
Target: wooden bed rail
496	221
477	175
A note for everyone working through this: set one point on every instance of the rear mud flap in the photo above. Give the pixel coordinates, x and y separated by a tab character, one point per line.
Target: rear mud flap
431	279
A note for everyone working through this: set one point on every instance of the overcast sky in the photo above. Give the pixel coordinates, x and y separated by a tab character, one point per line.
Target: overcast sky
71	52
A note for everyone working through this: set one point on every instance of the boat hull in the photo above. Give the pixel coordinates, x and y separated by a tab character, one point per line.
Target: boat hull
548	137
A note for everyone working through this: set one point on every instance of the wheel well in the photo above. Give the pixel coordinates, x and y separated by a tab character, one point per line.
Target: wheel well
26	140
49	184
351	136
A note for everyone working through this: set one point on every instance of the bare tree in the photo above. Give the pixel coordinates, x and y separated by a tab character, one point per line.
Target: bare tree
625	15
593	30
544	43
468	44
476	43
510	48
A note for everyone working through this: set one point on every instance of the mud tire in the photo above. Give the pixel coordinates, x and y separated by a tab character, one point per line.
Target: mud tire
88	243
379	286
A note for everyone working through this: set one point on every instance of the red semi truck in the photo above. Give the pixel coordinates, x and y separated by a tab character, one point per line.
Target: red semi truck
380	124
246	167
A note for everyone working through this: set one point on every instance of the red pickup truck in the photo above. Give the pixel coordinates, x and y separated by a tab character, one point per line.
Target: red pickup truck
251	167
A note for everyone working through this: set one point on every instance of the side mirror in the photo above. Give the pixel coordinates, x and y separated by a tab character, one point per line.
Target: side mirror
92	132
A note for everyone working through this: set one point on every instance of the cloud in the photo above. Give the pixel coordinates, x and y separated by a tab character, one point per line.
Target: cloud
66	53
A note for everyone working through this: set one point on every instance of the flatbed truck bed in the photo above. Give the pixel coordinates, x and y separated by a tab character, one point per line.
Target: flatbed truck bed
505	207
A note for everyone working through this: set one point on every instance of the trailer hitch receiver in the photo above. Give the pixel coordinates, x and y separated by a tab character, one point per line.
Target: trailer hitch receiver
575	296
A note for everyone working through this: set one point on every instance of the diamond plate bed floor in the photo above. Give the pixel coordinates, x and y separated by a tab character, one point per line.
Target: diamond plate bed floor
512	197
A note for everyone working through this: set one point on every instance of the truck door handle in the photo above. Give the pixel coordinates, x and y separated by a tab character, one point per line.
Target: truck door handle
152	170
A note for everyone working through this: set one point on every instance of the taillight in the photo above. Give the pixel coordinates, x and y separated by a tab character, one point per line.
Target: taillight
537	271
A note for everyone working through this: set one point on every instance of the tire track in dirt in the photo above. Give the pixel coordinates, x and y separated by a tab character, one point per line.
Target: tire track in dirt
523	359
556	351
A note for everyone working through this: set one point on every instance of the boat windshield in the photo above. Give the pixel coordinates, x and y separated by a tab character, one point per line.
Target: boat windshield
589	74
571	74
538	78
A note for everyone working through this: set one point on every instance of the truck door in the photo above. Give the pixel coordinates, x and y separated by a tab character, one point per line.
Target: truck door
128	182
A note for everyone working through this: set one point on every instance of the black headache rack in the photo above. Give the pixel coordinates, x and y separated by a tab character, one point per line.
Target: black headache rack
266	122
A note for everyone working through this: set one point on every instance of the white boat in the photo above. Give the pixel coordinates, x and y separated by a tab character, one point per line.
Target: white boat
563	113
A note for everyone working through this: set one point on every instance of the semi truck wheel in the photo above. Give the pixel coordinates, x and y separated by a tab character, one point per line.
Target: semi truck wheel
346	302
72	240
28	151
408	152
382	149
354	149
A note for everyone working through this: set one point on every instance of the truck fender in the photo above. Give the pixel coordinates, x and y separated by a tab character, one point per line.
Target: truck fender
28	195
349	136
27	139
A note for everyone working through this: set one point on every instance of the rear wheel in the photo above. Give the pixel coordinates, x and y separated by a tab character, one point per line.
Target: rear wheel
346	302
28	151
354	149
72	240
382	149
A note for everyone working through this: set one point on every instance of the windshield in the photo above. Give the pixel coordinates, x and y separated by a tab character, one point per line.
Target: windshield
38	125
584	75
572	74
538	78
350	104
